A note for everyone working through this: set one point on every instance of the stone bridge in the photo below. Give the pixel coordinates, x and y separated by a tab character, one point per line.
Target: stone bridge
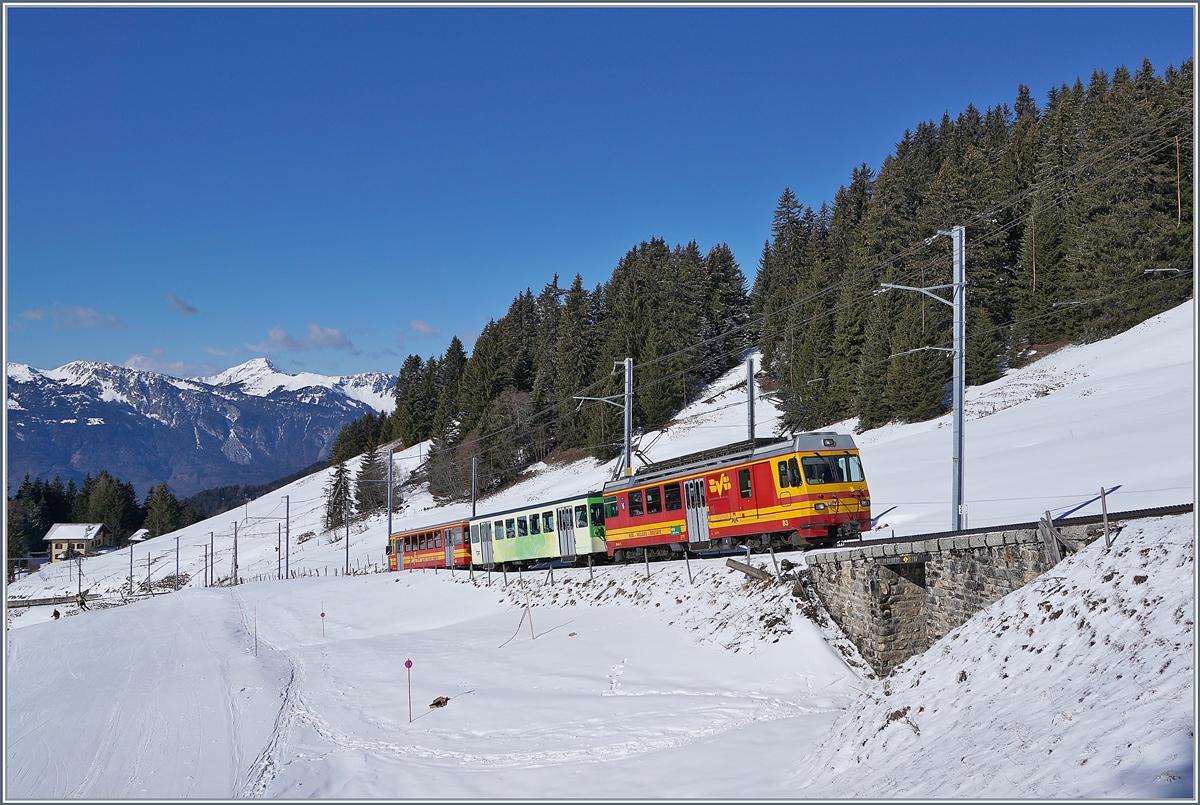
896	598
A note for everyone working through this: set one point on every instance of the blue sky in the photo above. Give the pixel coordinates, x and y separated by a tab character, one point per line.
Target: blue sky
335	188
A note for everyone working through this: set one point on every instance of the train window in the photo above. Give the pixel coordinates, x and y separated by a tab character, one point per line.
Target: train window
744	482
672	498
388	549
437	538
817	470
635	504
498	530
548	522
784	479
851	469
597	510
654	500
421	543
535	523
793	471
522	527
475	533
510	528
610	506
458	535
581	516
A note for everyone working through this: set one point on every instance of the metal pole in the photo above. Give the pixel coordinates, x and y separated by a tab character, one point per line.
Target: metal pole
212	561
278	551
959	236
1104	509
750	397
389	494
205	563
474	482
287	535
347	518
149	589
177	564
688	564
235	557
628	417
131	570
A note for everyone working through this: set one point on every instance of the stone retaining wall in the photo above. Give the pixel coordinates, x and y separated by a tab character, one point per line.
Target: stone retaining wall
894	600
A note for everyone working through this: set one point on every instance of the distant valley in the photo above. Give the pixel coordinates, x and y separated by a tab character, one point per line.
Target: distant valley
248	425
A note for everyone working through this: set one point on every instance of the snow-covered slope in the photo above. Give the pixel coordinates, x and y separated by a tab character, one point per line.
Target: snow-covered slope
1079	685
663	687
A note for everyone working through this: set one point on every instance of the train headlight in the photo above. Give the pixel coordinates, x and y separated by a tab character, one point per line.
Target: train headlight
865	503
820	507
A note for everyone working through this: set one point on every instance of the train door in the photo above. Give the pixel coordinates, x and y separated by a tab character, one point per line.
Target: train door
764	486
566	531
485	543
450	532
695	510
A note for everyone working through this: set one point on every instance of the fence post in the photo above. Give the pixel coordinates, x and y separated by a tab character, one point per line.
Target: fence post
1051	538
1104	509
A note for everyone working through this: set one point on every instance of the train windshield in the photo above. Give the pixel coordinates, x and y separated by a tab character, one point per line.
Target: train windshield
831	469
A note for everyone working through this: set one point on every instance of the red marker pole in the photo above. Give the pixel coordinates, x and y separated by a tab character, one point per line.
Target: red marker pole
408	667
322	620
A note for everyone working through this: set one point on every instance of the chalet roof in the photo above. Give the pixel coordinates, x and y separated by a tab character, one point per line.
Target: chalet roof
140	535
78	532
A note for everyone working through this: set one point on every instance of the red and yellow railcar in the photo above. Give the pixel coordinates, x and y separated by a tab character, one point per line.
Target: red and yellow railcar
805	490
445	545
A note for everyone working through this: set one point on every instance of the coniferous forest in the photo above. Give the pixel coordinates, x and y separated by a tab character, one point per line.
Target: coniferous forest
1078	216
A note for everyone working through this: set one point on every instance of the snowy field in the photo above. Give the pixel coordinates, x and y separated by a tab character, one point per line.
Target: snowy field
607	684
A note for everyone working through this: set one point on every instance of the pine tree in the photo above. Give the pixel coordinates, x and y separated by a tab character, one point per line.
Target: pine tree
370	488
337	494
450	371
15	548
164	512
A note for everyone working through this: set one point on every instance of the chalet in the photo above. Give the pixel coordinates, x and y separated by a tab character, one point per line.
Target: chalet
68	540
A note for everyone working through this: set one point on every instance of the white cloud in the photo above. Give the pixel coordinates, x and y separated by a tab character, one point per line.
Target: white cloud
319	337
424	328
153	363
73	317
181	306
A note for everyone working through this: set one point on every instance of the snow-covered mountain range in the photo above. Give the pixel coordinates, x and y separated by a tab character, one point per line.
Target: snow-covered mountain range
250	424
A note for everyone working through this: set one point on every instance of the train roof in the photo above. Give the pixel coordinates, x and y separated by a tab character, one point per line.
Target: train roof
536	505
738	452
488	515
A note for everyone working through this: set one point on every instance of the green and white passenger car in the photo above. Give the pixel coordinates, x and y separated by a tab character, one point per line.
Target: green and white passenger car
568	529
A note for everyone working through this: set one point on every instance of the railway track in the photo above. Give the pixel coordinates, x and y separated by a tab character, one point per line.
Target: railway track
1132	514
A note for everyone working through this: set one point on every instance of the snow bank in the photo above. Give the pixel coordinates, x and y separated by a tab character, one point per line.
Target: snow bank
1079	685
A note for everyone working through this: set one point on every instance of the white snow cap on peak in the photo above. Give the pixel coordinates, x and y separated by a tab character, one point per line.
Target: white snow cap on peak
21	372
251	369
